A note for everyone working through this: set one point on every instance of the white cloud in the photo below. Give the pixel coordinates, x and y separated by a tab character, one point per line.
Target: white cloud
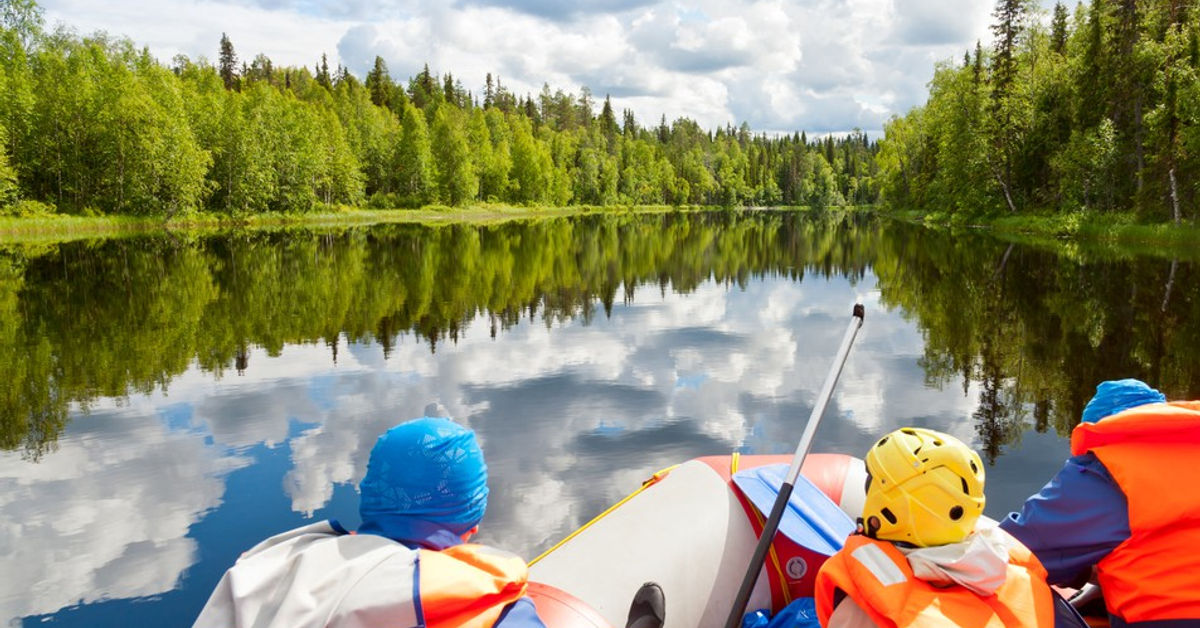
933	23
816	65
104	516
194	28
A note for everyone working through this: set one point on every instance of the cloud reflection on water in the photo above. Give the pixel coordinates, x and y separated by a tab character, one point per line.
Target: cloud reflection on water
572	416
105	516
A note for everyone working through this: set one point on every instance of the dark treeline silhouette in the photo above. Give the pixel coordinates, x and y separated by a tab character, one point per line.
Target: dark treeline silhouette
94	125
1095	112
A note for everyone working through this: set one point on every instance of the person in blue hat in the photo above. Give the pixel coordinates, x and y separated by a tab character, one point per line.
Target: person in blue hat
1123	511
409	564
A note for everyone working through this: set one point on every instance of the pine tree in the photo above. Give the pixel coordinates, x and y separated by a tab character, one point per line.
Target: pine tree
1009	15
608	121
585	107
1093	80
448	89
423	89
228	63
978	67
323	73
379	83
629	127
1058	29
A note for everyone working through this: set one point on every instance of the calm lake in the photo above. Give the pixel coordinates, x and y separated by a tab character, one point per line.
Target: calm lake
169	401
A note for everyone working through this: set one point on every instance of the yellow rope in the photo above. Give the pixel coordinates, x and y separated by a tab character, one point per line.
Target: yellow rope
645	485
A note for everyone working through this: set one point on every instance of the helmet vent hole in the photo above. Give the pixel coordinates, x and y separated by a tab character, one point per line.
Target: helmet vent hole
937	443
909	432
916	451
887	514
966	491
956	513
974	469
881	441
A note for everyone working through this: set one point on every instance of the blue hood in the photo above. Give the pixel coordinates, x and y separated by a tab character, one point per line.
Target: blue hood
426	484
1114	397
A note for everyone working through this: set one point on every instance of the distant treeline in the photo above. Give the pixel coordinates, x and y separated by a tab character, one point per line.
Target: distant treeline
1096	112
93	125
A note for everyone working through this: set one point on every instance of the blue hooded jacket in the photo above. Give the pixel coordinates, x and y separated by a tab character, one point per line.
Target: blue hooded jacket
1081	514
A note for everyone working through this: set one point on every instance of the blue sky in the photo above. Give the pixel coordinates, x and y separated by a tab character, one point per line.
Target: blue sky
816	65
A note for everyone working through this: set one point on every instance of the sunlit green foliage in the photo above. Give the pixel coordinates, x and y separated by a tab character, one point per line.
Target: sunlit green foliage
8	178
1095	113
95	126
457	182
108	132
414	161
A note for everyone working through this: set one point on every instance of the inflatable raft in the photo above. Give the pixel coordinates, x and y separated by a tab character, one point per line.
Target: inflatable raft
692	529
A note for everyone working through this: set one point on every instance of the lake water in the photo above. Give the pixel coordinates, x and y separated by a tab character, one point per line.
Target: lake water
169	401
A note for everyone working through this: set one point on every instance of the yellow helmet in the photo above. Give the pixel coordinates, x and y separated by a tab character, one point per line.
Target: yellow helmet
923	487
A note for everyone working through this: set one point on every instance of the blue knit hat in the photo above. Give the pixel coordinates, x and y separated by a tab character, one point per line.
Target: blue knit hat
1114	397
426	484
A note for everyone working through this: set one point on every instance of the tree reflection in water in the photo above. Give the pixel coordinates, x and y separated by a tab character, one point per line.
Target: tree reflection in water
1035	328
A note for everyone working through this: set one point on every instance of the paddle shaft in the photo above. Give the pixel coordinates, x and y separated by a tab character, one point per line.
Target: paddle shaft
785	491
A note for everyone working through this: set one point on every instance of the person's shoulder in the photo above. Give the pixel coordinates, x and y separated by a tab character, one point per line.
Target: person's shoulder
310	537
313	530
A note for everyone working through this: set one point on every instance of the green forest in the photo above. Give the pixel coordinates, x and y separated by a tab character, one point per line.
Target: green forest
92	125
1092	112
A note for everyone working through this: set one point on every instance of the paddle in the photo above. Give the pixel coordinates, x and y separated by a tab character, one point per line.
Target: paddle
785	491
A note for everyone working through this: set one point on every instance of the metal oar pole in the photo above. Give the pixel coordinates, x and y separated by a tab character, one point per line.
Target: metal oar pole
785	491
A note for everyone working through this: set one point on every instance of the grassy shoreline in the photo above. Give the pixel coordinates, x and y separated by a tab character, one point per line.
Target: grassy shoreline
1106	231
49	228
59	227
1112	232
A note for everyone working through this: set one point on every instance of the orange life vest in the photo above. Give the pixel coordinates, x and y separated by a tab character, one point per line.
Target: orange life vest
1149	450
468	586
877	576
